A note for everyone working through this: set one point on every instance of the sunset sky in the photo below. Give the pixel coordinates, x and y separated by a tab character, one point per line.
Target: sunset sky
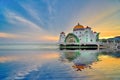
43	20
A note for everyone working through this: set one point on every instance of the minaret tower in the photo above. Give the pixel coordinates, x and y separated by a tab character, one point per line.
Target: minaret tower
62	38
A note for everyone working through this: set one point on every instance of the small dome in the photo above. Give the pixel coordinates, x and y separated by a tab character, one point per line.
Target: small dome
78	26
62	33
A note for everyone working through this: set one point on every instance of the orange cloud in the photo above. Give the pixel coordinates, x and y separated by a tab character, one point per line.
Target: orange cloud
35	37
107	31
7	35
47	38
51	38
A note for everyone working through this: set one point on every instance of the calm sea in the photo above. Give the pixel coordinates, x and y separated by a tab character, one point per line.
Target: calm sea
47	62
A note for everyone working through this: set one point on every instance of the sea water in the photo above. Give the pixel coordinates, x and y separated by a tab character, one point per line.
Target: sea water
47	62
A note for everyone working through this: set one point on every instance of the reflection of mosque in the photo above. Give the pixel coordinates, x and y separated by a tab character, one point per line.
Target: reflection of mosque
81	59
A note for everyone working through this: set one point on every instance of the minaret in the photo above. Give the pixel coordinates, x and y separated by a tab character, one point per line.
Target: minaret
62	38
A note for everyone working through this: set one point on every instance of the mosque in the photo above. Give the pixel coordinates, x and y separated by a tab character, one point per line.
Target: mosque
81	35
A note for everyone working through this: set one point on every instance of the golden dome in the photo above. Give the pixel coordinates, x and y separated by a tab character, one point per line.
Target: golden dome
78	26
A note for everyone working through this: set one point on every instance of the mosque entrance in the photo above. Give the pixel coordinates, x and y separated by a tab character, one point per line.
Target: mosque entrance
71	38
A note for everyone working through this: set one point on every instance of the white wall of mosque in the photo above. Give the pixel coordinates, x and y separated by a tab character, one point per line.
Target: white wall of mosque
85	35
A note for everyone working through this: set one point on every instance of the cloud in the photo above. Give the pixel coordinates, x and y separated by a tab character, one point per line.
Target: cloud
7	35
29	37
43	20
13	36
51	6
33	12
42	15
48	38
32	31
15	19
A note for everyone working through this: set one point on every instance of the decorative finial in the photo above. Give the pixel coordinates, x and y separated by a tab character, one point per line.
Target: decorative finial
78	23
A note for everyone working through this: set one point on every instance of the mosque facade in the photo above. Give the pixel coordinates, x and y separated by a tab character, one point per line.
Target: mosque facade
80	35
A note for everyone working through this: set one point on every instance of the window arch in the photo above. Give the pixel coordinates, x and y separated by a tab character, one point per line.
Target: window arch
71	38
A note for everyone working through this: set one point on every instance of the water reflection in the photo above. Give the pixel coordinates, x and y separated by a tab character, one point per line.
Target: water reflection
115	54
81	59
73	65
